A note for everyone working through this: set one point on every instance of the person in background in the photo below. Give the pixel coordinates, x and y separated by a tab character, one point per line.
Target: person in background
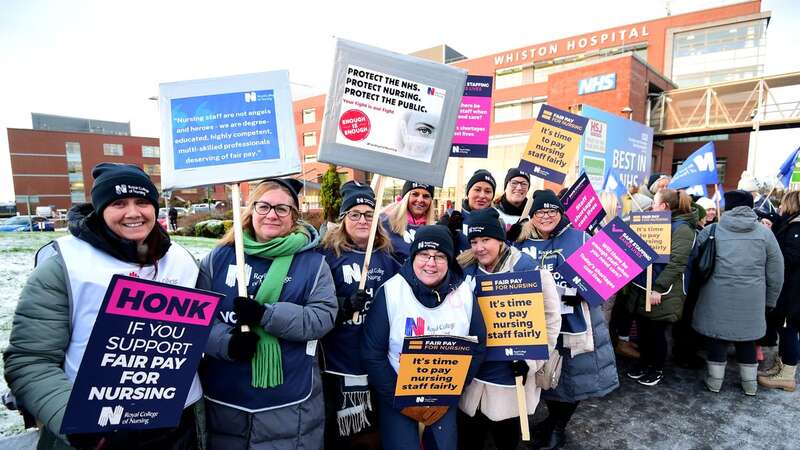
263	385
350	418
588	366
711	210
116	234
513	200
655	183
402	219
669	289
480	192
749	183
782	374
488	404
430	287
172	214
747	278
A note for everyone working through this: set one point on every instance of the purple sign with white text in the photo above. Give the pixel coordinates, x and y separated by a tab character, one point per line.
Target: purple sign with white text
582	205
471	137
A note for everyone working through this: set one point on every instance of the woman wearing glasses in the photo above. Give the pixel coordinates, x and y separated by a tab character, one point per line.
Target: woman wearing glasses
488	405
513	200
588	366
429	290
263	385
402	219
350	416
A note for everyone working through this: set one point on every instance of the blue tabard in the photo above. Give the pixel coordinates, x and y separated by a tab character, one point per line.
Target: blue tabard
548	254
229	382
498	372
401	244
340	347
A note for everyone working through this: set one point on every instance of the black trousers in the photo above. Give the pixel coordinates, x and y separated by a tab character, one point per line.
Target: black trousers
560	413
472	432
652	342
718	351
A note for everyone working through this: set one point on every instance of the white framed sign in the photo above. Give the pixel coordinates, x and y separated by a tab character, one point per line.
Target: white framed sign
390	114
227	130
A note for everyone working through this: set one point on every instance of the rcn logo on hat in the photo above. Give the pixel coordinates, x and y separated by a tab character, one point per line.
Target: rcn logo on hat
121	189
427	244
550	206
475	229
365	201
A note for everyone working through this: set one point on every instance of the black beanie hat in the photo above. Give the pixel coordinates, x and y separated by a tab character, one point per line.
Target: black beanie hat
113	181
485	223
354	194
482	175
513	173
411	185
434	237
292	185
738	198
546	199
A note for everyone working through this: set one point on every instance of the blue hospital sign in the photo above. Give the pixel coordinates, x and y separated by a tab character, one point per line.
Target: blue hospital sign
597	83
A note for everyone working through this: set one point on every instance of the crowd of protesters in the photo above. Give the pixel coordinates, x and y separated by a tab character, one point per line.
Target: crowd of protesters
317	366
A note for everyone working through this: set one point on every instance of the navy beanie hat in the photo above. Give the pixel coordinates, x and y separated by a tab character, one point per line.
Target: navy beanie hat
292	185
482	175
354	194
546	199
433	237
485	223
114	181
738	198
411	185
514	173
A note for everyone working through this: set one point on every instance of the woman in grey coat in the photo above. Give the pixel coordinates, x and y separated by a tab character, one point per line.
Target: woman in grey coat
747	278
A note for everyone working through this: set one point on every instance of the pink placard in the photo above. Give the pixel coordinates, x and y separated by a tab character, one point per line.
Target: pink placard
161	302
472	126
603	265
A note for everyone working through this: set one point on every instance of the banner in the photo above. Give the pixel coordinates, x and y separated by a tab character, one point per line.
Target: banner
226	130
141	357
390	114
582	205
433	370
655	227
553	145
787	172
616	146
607	262
471	138
699	168
513	310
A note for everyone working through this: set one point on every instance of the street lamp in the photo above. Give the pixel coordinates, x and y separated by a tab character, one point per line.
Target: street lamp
629	111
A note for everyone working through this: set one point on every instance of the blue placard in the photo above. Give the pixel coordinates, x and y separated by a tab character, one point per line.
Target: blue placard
213	130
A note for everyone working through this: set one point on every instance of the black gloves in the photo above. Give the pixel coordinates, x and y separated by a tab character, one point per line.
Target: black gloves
455	223
248	311
571	300
85	440
352	304
520	369
120	439
513	233
242	346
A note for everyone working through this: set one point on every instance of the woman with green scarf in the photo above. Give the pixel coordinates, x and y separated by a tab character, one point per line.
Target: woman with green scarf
263	386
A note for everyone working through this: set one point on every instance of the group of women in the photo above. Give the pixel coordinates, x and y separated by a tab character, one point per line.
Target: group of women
316	365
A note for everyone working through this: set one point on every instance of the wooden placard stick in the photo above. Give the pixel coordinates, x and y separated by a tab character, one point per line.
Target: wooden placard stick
649	288
238	243
378	182
522	406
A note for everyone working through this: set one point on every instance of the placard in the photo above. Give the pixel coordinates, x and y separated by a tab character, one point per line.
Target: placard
433	370
607	262
390	114
655	227
227	130
512	305
582	205
471	138
553	145
141	357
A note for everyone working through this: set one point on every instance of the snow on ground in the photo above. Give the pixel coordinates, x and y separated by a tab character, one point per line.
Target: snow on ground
17	251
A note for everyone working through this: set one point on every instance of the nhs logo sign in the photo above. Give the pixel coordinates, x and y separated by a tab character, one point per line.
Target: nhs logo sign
598	83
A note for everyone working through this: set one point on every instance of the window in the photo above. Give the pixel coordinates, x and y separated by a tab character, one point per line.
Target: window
518	110
513	76
151	151
309	139
310	158
188	191
152	169
309	115
112	149
75	172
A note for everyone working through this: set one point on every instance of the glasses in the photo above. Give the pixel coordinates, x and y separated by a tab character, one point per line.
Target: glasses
356	216
425	258
263	208
519	184
542	213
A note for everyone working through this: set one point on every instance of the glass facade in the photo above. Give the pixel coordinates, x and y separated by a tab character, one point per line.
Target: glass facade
75	172
719	54
151	151
112	149
518	110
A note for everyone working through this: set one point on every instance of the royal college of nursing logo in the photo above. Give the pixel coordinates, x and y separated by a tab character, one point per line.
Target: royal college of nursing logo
110	416
121	189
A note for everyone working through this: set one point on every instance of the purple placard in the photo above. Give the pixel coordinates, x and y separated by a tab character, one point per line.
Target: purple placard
582	205
471	137
607	262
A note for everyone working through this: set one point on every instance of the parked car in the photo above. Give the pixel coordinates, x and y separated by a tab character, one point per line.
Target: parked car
162	212
200	208
23	223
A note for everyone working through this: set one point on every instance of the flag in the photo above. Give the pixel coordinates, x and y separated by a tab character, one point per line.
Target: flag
699	168
698	189
786	169
719	195
611	183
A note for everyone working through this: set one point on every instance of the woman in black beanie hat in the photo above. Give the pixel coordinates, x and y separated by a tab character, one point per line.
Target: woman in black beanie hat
116	235
402	219
488	404
513	200
480	191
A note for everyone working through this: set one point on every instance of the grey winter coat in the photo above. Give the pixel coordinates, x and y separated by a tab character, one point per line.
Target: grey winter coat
587	375
748	276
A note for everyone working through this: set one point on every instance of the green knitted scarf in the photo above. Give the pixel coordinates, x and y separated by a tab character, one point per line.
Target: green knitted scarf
267	363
